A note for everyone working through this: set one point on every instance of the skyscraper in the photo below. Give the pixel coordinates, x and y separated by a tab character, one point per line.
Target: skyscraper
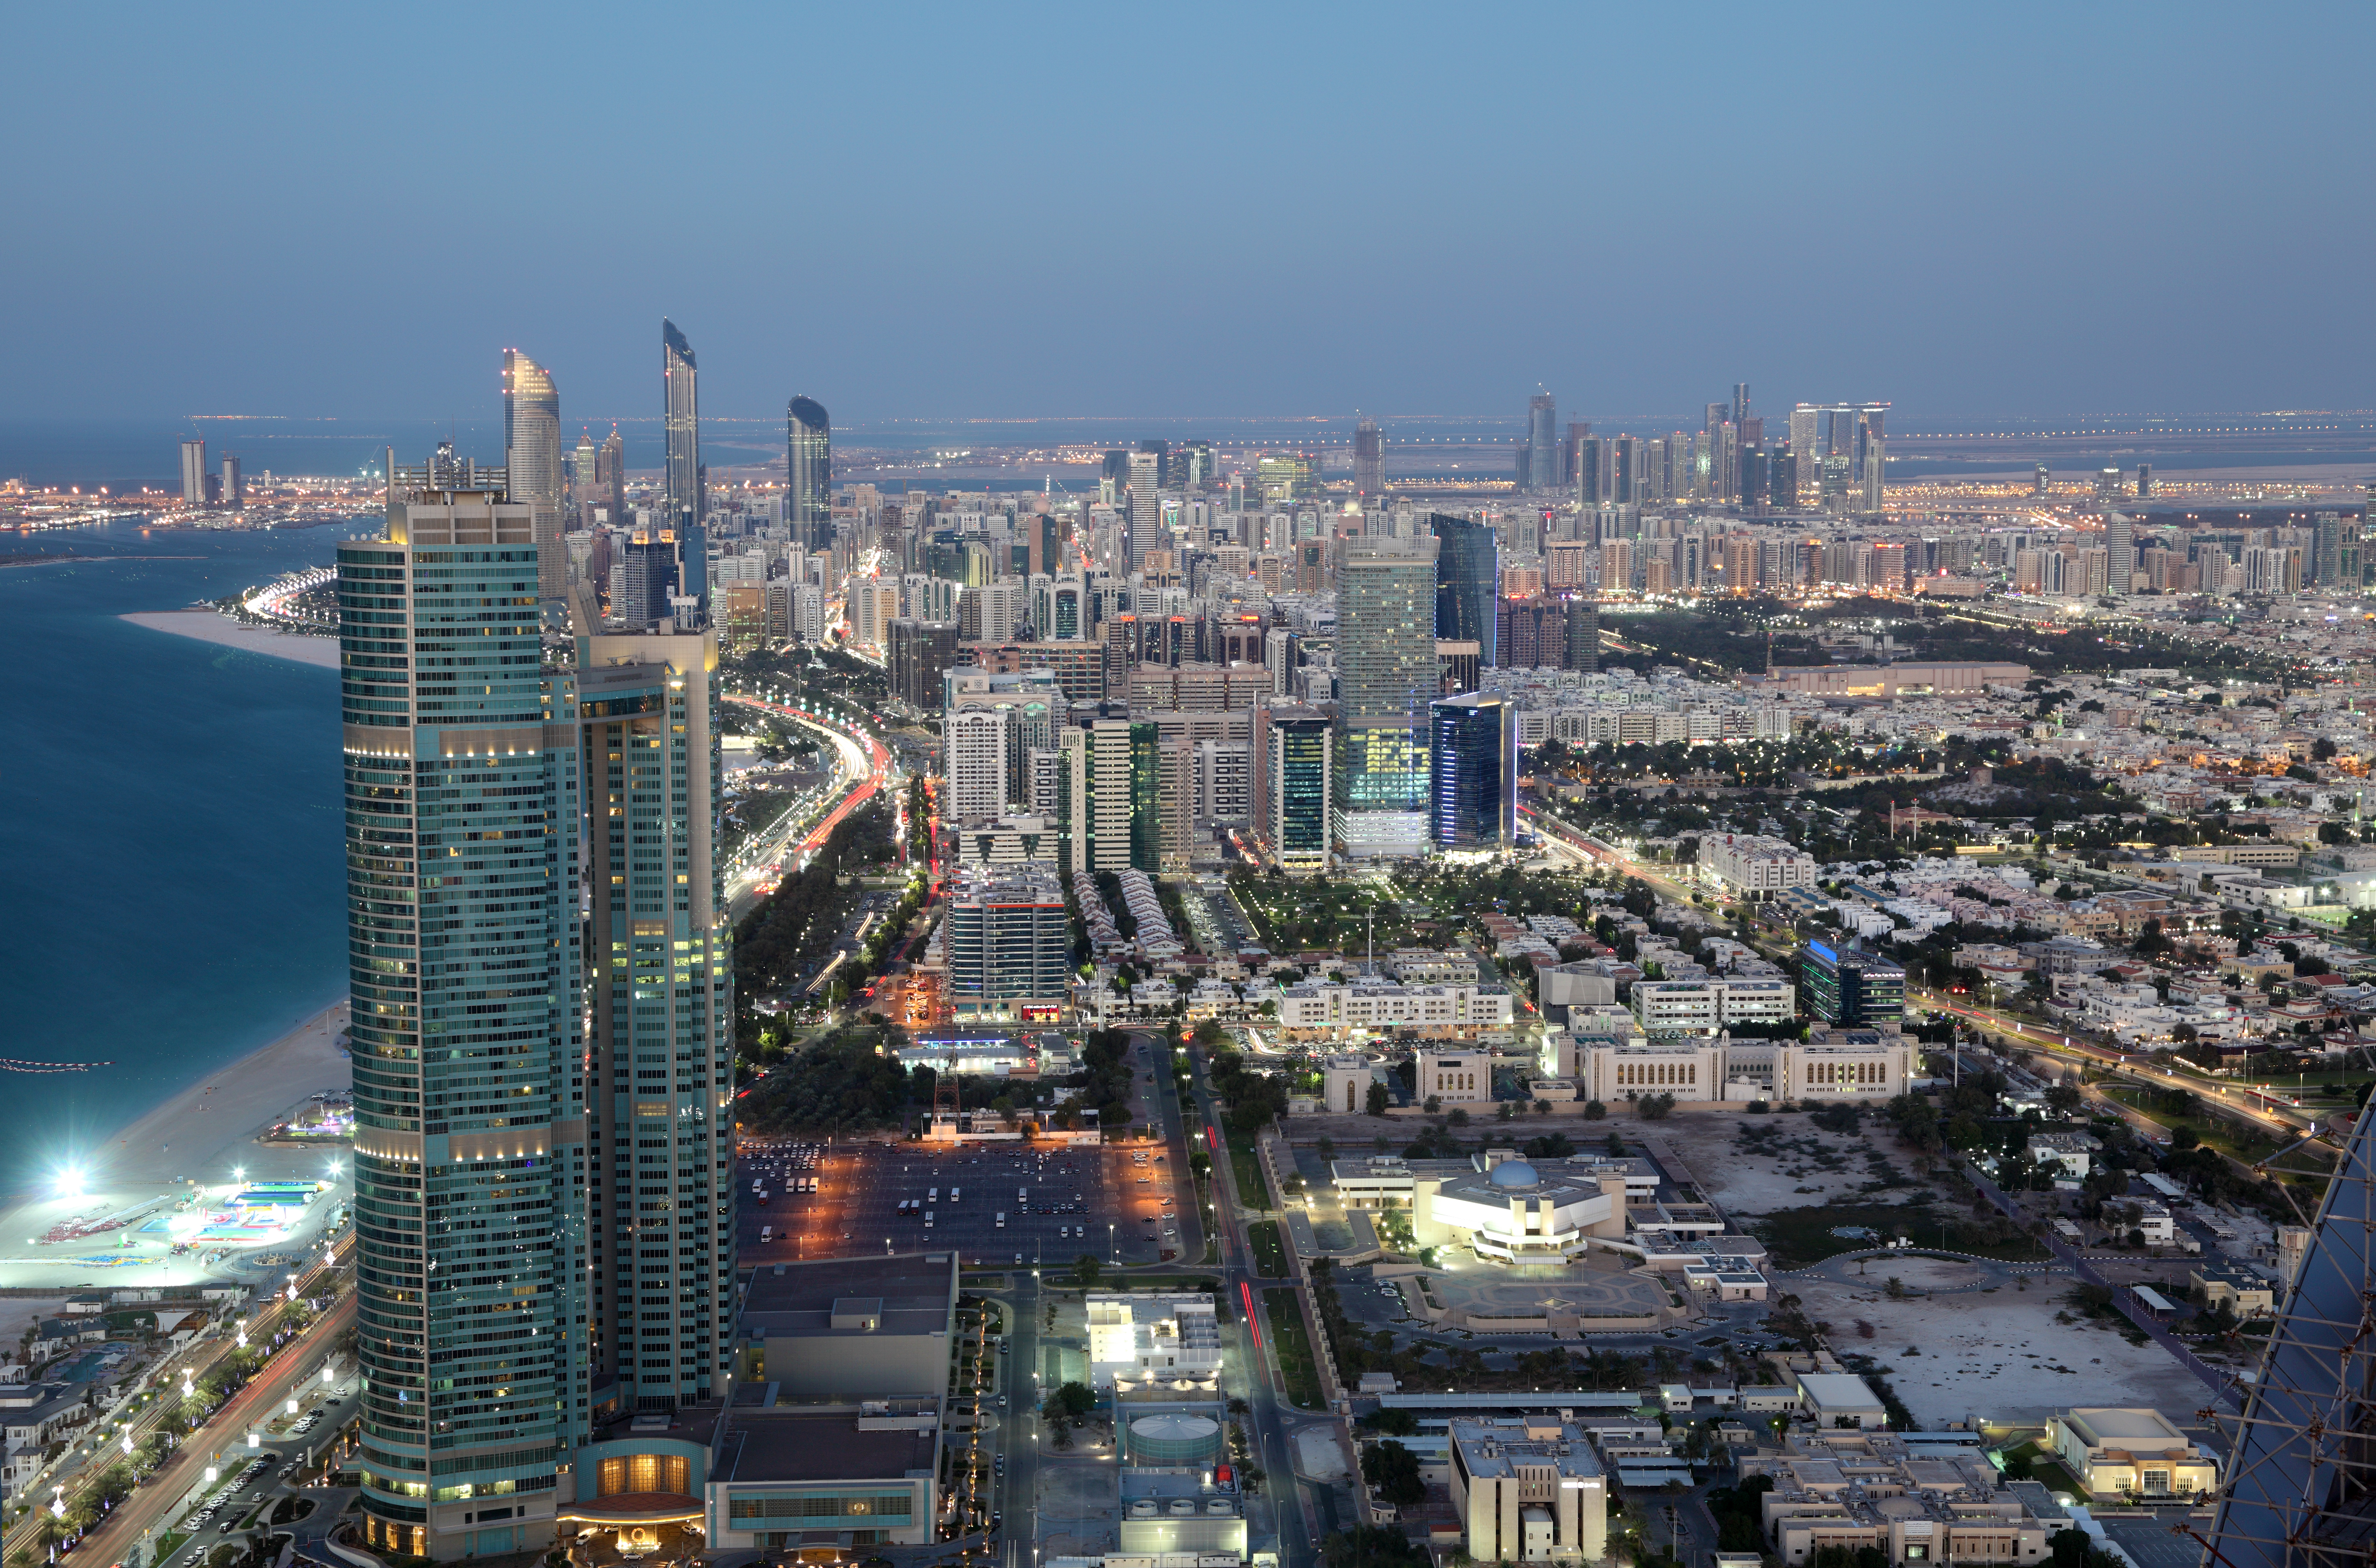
1542	442
1143	524
1468	579
1473	771
1368	458
2119	554
610	477
1385	643
682	416
194	472
660	975
471	1140
1300	748
533	459
585	491
235	483
808	445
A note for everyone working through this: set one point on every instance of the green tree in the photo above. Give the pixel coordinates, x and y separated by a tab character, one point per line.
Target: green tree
1086	1269
1394	1471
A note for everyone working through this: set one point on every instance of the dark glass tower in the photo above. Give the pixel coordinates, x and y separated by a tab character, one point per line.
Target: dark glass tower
462	811
1851	989
681	417
808	449
1468	576
1472	771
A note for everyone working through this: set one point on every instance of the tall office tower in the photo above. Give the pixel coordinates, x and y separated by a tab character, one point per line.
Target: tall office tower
585	493
2325	550
1593	468
1805	449
683	421
1584	635
1872	452
1472	771
2119	554
1543	441
194	473
973	760
610	477
234	484
1468	581
1579	432
1298	776
643	578
2042	481
659	972
1385	656
808	487
1368	458
463	811
2145	482
1626	482
1740	403
532	457
1059	607
1166	475
923	652
1144	521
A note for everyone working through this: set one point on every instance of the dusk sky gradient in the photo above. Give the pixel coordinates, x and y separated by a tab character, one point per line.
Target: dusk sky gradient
932	213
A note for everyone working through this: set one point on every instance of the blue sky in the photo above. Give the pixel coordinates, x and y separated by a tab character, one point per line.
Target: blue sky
939	211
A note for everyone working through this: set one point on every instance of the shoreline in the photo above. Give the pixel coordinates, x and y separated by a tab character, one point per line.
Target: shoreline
209	626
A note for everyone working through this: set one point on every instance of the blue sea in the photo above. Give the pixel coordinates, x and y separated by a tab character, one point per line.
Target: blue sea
170	829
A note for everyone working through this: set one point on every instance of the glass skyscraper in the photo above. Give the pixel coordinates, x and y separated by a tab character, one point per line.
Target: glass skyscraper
1301	747
808	450
1851	989
532	462
1543	455
1387	675
681	417
1468	581
463	938
1472	765
543	1217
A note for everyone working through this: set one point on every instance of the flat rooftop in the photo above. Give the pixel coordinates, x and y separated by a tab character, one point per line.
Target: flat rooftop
767	1445
907	1294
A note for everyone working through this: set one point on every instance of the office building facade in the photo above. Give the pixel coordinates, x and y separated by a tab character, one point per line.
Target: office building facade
1468	581
1385	655
808	490
1473	772
1009	944
194	473
1851	990
681	419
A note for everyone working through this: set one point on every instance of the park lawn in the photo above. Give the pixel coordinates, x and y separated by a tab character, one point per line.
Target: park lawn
1798	1237
1270	1255
1245	1167
1293	1346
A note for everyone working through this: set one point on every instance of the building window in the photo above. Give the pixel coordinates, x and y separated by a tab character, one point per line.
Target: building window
644	1472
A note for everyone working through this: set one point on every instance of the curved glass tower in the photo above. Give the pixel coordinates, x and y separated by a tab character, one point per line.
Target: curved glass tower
683	418
532	459
808	450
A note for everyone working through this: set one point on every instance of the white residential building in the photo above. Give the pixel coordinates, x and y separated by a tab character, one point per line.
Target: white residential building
1749	865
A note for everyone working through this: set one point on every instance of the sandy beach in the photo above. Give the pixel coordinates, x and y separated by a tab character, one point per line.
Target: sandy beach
206	1132
208	627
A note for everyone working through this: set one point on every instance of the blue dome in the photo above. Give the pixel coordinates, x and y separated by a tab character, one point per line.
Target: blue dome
1514	1173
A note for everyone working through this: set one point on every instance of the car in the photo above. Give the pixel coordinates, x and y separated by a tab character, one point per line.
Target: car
1018	1257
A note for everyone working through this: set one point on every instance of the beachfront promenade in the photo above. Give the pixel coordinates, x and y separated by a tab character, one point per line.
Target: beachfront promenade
151	1505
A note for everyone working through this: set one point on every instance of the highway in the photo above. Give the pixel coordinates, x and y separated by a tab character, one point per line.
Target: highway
863	765
298	1361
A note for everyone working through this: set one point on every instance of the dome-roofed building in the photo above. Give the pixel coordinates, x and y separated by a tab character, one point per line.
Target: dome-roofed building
1512	1211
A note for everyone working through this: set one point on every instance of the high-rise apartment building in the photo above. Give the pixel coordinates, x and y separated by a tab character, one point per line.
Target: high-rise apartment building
973	763
533	459
921	654
610	477
194	473
1298	787
1008	945
808	449
1385	656
472	1143
1473	771
682	419
584	489
1369	460
1110	802
2119	554
233	483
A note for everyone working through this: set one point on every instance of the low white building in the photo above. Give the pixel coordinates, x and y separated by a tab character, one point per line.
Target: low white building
1320	1011
1514	1212
1528	1491
1464	1078
1754	865
1705	1007
1134	1340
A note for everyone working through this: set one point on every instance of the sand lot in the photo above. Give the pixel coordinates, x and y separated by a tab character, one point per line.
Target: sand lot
1794	1165
1998	1355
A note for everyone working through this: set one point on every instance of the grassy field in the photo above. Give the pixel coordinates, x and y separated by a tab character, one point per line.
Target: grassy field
2232	1138
1270	1255
1245	1167
1293	1347
1798	1237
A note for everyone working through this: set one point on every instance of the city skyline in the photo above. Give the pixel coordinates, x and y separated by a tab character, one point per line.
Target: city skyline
2062	295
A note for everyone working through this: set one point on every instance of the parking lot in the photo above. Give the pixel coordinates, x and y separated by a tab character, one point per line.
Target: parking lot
1114	1202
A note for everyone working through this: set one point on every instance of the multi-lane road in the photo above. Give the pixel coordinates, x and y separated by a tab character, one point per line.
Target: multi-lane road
862	767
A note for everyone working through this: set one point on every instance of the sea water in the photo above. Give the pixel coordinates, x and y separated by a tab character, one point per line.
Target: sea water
171	830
